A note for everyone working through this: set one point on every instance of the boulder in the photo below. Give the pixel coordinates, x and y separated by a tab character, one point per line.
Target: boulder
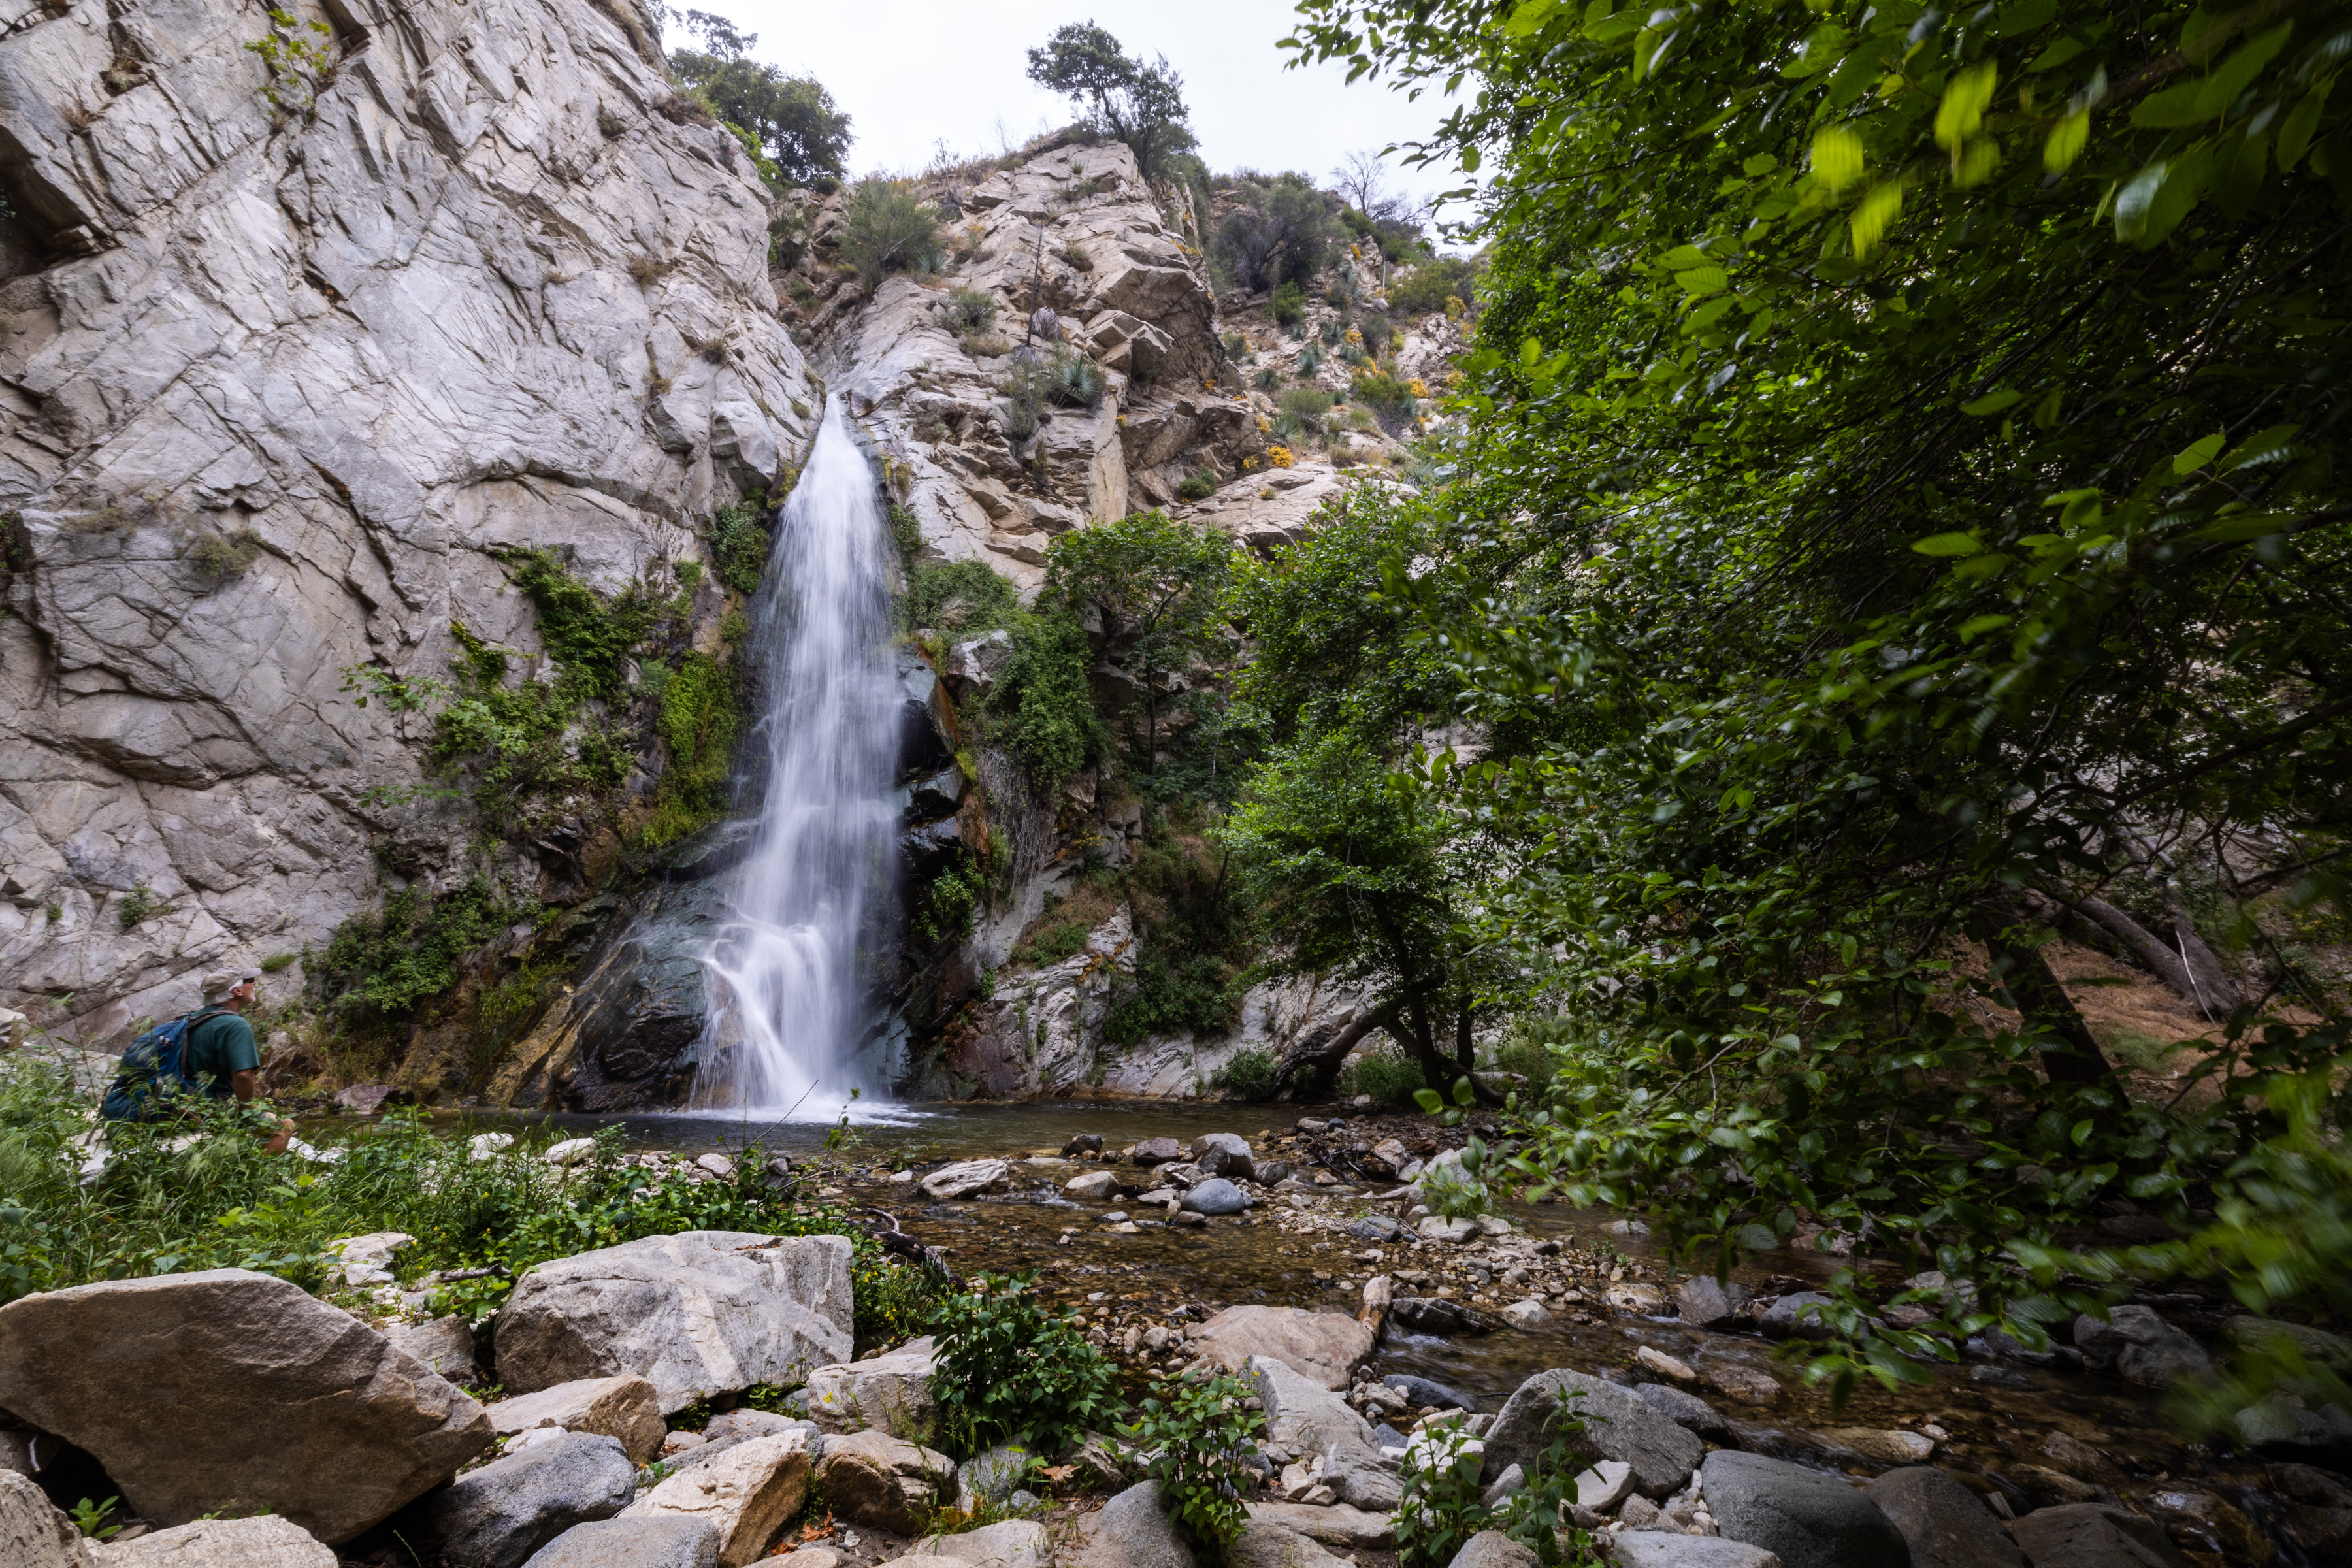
1528	1314
1658	1549
1883	1447
569	1153
1618	1425
742	1426
1604	1486
1302	1416
1157	1152
2282	1428
1437	1315
885	1392
1738	1380
1009	1543
991	1476
2139	1347
1493	1549
1215	1196
966	1178
498	1516
33	1531
625	1407
745	1493
670	1542
1131	1531
2203	1521
1224	1154
2094	1535
1375	1227
2250	1335
160	1379
1359	1477
1788	1318
1653	1359
1335	1524
1093	1187
1263	1543
1437	1227
1947	1525
365	1261
1325	1346
1636	1299
264	1541
445	1344
1425	1393
1687	1411
873	1478
698	1313
1808	1519
1083	1143
1708	1303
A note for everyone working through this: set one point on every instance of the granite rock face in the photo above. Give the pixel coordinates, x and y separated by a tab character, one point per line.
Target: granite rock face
273	391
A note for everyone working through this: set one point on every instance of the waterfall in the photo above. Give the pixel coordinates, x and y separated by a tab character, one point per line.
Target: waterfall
791	975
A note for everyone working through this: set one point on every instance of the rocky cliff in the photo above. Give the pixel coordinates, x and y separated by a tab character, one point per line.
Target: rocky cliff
286	354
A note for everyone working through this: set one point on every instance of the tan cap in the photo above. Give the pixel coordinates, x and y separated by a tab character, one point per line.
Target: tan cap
221	982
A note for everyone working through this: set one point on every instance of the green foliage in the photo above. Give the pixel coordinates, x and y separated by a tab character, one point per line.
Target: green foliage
140	905
1197	1436
1387	1075
302	60
1277	231
588	635
1044	700
1289	306
969	311
790	124
1140	104
701	719
961	598
1440	1510
1310	406
1198	486
739	548
1198	936
1247	1075
1159	582
944	911
89	1518
885	227
223	556
1059	375
1011	1369
905	530
380	965
1429	286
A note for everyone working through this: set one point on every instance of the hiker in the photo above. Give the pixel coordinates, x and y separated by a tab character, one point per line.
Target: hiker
216	1053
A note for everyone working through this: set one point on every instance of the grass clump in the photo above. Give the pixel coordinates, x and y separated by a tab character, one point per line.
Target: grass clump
1199	487
885	227
969	311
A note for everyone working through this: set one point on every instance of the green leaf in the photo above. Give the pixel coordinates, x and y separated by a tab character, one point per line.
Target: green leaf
2198	454
1427	1098
1762	164
1837	157
1876	214
2294	136
2066	141
2222	87
1702	280
1977	625
1991	403
2240	526
2172	107
1529	18
1948	544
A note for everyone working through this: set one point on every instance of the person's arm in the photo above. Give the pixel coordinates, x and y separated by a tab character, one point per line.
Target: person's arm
245	1084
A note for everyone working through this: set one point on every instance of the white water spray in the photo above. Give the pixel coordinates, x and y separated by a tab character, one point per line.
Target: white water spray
792	973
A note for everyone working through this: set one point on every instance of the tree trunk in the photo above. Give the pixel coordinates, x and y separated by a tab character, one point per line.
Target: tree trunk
1328	1054
2025	982
2213	992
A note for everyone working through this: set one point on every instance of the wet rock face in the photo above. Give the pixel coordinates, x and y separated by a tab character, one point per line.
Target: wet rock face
308	343
1809	1520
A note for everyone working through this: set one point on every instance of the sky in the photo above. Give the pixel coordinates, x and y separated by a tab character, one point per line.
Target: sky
913	73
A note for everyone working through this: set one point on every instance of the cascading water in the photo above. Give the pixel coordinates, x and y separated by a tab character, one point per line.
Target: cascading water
789	975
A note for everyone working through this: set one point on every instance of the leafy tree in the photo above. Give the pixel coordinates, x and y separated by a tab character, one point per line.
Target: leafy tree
1158	583
1902	505
1276	230
789	122
1139	104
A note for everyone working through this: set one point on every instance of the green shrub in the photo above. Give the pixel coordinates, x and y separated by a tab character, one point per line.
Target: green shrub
1268	379
1430	285
1044	698
382	965
944	908
701	718
905	530
1388	1075
885	227
739	548
1310	406
1289	305
1249	1075
969	310
1197	1436
1201	485
587	634
1440	1509
1010	1369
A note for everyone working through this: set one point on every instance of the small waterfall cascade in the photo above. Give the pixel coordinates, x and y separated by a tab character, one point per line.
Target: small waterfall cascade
791	975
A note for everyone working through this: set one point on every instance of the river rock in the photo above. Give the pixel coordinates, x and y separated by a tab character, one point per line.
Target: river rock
1650	1358
873	1478
264	1541
1437	1315
1738	1380
2282	1428
1333	1525
2139	1347
967	1178
1659	1549
2250	1335
2203	1520
1302	1414
1947	1525
1224	1154
669	1541
1618	1425
1008	1543
2093	1535
445	1344
1375	1227
1786	1319
1156	1152
33	1531
625	1407
498	1516
1215	1196
1093	1187
160	1379
698	1313
1325	1346
1425	1393
1602	1486
1808	1519
1263	1543
1687	1411
1526	1315
1633	1297
1710	1303
2315	1510
1437	1227
747	1493
1360	1477
1883	1447
1493	1549
1131	1531
991	1476
885	1392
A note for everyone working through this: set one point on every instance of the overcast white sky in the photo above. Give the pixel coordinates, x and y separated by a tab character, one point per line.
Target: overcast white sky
914	72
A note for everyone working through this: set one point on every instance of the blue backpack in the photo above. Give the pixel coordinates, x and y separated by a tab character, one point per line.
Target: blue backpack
153	1058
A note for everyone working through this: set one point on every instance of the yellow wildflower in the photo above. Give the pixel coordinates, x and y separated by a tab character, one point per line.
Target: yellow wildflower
1280	456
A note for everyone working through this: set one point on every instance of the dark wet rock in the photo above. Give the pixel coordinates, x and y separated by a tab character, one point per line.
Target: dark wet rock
1786	1319
2139	1347
1437	1315
2203	1520
1687	1411
636	1016
2282	1427
2094	1535
1083	1143
2314	1512
1993	1344
1998	1377
2268	1335
1423	1392
633	1543
2078	1458
1215	1196
1704	1300
1947	1525
1158	1152
1224	1154
498	1516
1618	1425
1375	1227
1809	1519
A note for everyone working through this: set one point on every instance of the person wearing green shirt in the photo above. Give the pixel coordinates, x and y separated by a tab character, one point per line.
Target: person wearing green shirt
220	1052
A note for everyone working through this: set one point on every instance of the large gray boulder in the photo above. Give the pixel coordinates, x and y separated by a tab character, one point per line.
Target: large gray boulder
1301	1415
873	1478
670	1542
1131	1531
1333	1525
1687	1411
498	1516
1710	1303
698	1313
746	1493
1947	1525
1796	1316
885	1393
1618	1425
1807	1519
231	1389
264	1541
1224	1154
1325	1346
2139	1347
1493	1549
2095	1535
33	1532
1008	1543
625	1407
1266	1544
1659	1549
1215	1196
